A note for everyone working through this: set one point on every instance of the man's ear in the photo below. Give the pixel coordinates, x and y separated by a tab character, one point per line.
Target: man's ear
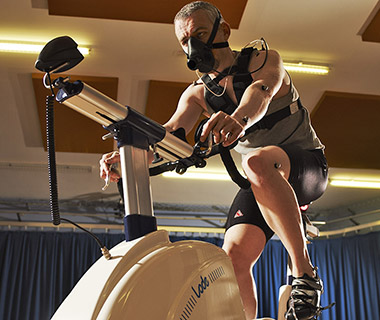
226	30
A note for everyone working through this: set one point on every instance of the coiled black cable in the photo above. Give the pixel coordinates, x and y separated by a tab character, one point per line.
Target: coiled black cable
52	168
52	171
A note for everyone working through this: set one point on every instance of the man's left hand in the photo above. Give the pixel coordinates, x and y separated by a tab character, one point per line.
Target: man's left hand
225	129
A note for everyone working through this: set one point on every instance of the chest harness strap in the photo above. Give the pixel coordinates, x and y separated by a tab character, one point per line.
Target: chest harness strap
242	78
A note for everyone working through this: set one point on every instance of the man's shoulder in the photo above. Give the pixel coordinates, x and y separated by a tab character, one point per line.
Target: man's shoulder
262	54
194	93
195	89
264	58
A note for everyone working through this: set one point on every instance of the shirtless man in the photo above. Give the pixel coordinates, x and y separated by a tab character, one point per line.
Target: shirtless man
257	103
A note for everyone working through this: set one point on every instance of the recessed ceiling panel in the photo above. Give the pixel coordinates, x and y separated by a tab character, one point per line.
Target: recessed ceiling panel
162	101
73	131
371	28
162	11
349	126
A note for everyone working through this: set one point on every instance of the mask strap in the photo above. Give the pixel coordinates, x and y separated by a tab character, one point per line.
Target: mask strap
213	34
220	45
214	30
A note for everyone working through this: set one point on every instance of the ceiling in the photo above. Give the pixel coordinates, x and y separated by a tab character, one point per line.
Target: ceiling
344	104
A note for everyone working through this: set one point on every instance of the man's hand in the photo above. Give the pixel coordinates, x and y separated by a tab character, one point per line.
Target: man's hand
225	129
106	171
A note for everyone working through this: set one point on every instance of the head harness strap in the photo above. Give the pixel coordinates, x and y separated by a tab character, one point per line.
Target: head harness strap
213	34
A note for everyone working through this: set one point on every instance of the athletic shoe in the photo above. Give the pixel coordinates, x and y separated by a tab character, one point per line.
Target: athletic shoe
305	298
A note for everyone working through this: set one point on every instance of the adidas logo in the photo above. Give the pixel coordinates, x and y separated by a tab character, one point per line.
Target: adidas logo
238	214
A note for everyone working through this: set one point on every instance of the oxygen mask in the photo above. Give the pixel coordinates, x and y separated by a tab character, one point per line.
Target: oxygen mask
199	54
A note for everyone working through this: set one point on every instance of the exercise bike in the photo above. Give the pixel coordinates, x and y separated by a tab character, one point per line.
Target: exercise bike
146	276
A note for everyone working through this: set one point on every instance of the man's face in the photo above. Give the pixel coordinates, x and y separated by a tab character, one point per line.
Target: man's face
198	25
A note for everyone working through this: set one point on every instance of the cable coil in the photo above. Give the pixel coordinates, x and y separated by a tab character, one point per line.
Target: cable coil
52	168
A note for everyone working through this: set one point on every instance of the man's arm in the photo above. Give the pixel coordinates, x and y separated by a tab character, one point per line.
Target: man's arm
188	110
267	84
186	115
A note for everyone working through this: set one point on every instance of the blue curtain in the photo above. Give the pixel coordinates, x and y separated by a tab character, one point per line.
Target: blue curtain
38	270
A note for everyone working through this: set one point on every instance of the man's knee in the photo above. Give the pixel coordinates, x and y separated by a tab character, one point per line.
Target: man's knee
238	256
259	165
255	161
244	244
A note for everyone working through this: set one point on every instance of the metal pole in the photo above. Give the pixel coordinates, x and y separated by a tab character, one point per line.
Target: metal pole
136	184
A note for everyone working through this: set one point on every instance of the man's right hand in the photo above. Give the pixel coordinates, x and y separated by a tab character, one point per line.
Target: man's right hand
105	166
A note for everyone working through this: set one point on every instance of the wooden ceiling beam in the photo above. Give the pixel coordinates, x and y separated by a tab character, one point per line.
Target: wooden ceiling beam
370	31
162	11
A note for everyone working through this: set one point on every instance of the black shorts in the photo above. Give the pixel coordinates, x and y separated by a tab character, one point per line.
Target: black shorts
308	177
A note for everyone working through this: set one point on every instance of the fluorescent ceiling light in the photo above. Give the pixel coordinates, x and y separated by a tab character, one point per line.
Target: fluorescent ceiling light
306	68
355	183
215	176
29	47
198	176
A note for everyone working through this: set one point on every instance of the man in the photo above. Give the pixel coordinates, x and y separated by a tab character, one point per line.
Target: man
251	98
